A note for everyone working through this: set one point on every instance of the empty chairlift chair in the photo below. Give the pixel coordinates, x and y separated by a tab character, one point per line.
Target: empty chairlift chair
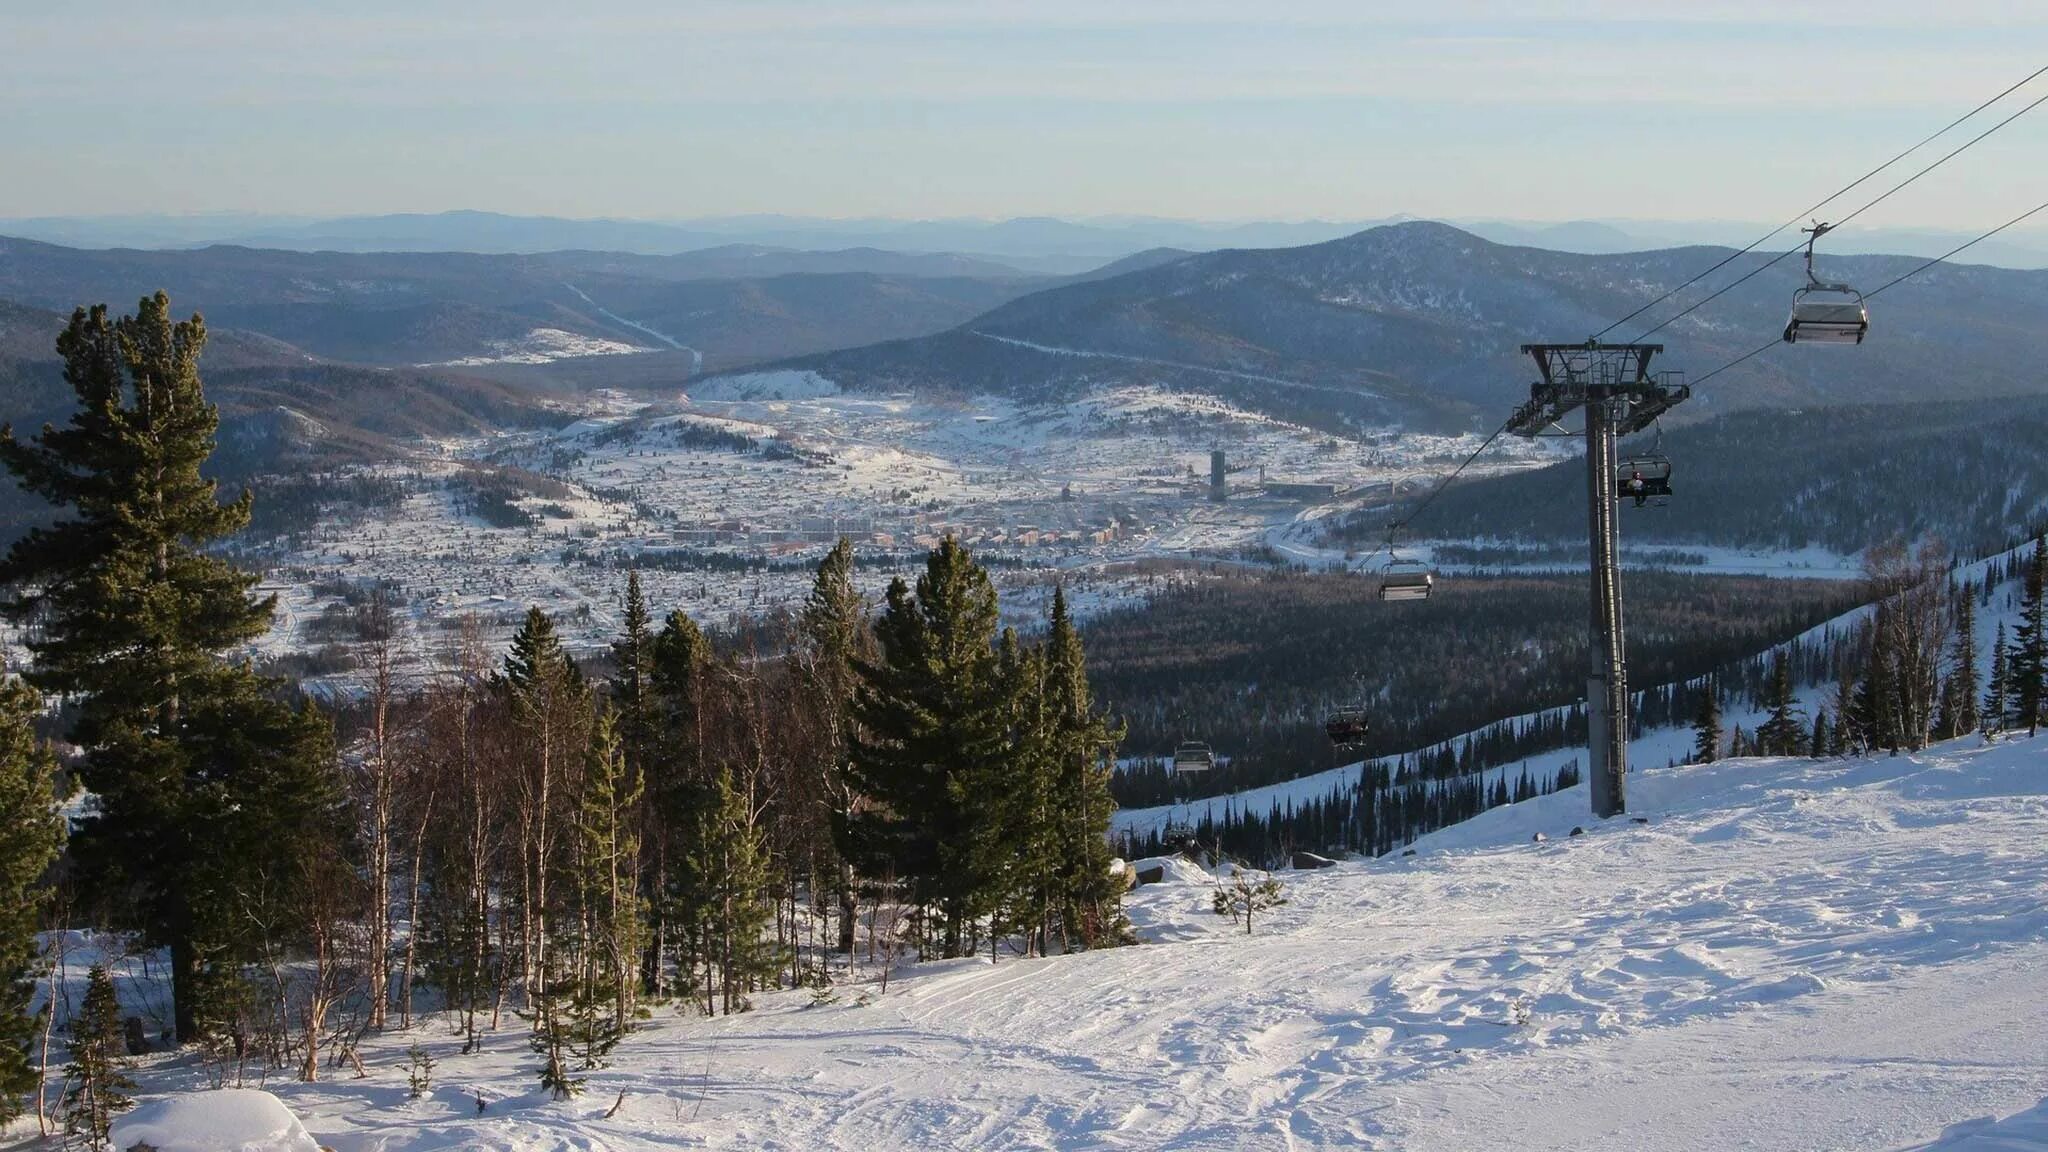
1193	756
1405	580
1825	313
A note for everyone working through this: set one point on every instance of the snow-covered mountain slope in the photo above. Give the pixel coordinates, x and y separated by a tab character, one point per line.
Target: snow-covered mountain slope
1787	955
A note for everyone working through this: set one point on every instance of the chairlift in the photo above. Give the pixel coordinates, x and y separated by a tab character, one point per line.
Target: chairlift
1346	727
1405	580
1193	756
1824	313
1645	479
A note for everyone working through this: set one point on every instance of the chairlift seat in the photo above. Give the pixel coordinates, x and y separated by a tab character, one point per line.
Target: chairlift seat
1193	756
1406	580
1648	477
1346	727
1827	314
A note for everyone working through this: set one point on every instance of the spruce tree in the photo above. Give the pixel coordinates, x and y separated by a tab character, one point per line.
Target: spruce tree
99	1084
1024	838
1996	688
1706	725
550	711
632	695
607	862
2027	667
1818	748
1784	733
735	864
835	637
1083	750
31	834
677	797
185	751
927	750
1959	695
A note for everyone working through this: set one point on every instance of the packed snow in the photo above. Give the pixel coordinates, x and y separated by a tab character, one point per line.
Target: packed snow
1787	954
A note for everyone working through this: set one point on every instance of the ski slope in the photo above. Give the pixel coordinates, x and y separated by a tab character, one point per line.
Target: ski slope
1789	954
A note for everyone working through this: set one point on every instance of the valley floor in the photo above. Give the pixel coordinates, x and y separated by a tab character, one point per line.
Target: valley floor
1787	955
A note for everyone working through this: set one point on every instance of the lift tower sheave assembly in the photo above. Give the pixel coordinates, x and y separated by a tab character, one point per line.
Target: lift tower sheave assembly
1613	385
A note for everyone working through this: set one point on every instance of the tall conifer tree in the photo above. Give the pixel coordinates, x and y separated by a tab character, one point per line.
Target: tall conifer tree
1959	694
30	836
1706	725
1997	689
928	748
2027	667
188	753
1083	754
1784	733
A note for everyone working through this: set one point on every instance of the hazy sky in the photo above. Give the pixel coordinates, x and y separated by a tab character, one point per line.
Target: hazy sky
1277	110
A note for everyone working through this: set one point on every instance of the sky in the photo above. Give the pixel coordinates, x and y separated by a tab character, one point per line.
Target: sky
1317	109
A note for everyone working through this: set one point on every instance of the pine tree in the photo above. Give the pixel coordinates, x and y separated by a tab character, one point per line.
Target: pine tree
1706	725
31	833
1022	846
677	797
1241	898
835	638
2027	667
99	1086
632	695
607	875
1996	690
1959	694
1877	718
188	754
1783	734
928	747
550	711
735	864
1819	744
552	1017
1084	754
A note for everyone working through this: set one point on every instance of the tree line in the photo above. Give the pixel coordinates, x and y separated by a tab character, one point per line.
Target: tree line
1906	673
1252	662
565	844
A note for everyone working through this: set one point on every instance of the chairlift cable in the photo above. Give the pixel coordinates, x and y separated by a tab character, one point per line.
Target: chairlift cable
1405	522
1844	220
1892	283
1838	194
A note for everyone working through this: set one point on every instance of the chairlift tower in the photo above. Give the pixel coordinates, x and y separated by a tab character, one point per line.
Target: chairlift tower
1612	384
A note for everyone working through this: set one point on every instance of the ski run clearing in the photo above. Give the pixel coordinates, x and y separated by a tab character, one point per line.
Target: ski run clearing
1788	954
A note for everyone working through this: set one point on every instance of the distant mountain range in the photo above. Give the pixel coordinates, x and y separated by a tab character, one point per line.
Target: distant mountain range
1421	323
716	307
1415	324
1041	245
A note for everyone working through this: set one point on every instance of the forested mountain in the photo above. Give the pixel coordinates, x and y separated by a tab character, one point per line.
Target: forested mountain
1842	478
1422	323
278	406
1252	662
731	305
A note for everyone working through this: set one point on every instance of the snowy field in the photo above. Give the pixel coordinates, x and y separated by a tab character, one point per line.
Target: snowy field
1787	955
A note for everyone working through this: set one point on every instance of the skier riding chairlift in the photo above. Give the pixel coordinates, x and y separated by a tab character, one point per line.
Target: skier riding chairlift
1636	487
